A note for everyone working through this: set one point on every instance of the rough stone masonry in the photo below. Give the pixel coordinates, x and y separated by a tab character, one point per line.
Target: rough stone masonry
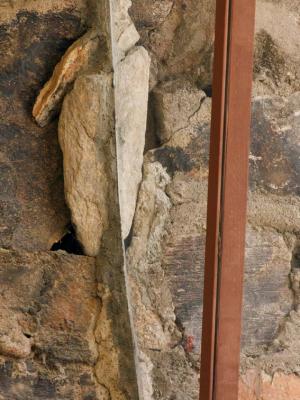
105	114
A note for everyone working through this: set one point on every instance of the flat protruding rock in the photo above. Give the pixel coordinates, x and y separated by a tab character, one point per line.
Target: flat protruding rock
85	134
131	99
76	59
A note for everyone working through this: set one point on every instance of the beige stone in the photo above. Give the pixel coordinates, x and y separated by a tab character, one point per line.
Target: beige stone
175	103
131	100
85	133
286	29
124	33
151	12
256	385
151	217
13	342
75	60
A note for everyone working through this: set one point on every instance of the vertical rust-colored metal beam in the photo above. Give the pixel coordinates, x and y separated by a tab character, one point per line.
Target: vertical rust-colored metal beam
214	201
227	200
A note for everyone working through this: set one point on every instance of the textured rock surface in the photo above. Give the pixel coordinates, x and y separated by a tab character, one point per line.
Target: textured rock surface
275	149
124	33
175	102
33	214
115	368
55	339
277	52
170	31
174	248
256	385
85	135
78	58
131	99
47	345
180	45
87	122
11	8
165	370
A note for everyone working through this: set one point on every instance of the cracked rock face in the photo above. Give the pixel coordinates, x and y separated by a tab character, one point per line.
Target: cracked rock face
174	104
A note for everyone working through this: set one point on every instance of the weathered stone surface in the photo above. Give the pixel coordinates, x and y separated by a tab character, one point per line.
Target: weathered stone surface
170	31
131	100
85	135
33	214
274	211
48	313
256	385
178	250
164	370
274	159
152	215
179	45
175	102
124	33
116	366
165	264
9	9
267	295
78	58
152	13
277	49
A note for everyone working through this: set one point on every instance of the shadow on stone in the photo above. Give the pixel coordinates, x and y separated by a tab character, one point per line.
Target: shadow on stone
69	243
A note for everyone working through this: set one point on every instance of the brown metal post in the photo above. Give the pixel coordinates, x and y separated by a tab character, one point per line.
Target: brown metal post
227	200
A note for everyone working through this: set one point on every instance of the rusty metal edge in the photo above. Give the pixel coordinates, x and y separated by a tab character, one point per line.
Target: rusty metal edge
214	201
227	200
234	199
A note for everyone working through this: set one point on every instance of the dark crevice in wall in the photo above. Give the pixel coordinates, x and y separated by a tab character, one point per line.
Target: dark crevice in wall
69	243
207	90
151	140
127	241
296	257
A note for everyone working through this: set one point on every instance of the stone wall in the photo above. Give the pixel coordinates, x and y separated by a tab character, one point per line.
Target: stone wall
180	116
105	155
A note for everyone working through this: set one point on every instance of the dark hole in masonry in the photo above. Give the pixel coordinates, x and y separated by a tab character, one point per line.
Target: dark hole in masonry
296	257
127	241
69	243
208	90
